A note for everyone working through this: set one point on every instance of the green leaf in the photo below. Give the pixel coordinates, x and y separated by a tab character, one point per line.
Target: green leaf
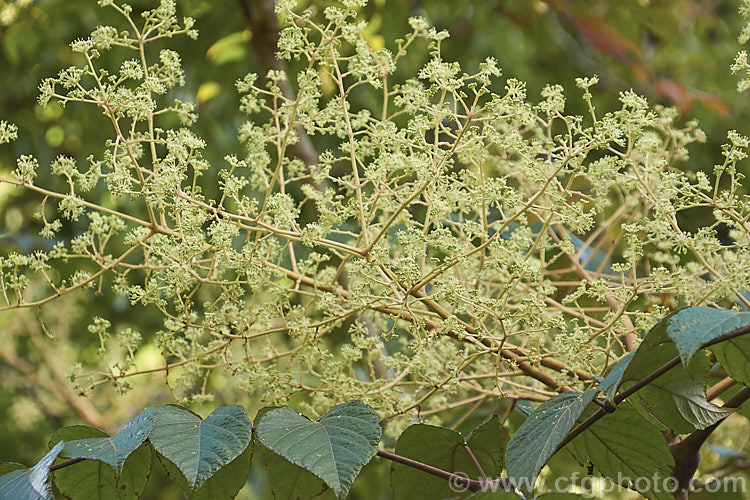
487	442
225	484
335	447
288	480
676	400
95	479
692	328
612	380
538	437
437	446
655	350
199	448
116	449
524	408
291	481
30	484
6	467
734	357
690	398
624	444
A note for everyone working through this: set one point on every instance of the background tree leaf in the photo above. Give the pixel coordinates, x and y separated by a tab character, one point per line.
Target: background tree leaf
591	259
335	447
30	484
199	448
540	434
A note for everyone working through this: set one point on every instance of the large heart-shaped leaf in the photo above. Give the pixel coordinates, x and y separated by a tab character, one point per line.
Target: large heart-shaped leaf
116	449
199	448
288	480
30	484
95	479
540	434
655	350
677	399
225	484
292	481
335	447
